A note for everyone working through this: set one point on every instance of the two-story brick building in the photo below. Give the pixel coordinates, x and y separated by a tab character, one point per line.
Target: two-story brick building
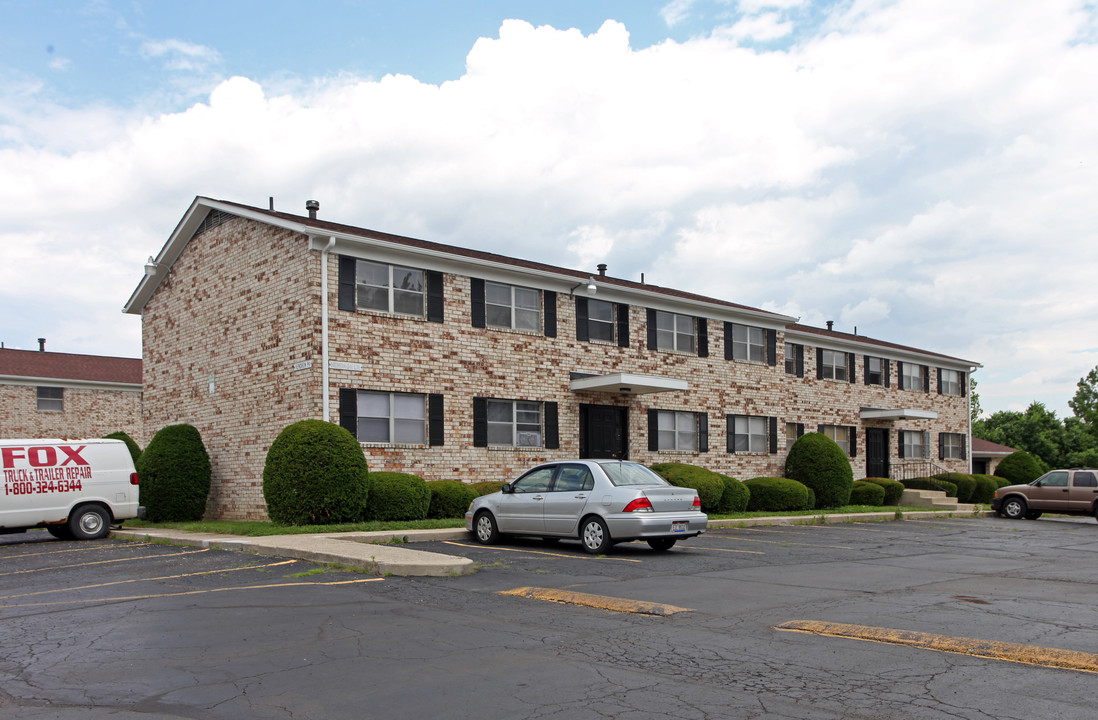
457	364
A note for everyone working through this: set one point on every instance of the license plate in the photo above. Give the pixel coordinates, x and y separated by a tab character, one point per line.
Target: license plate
680	527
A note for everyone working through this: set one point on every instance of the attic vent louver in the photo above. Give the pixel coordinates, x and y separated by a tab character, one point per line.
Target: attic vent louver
213	219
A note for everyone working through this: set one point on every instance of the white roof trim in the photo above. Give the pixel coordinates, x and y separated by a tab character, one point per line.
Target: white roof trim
898	414
69	383
628	384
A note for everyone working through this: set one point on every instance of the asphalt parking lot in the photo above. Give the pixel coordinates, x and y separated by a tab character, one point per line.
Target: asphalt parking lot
135	630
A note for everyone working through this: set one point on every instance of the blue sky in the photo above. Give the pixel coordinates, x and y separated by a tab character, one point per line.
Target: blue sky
923	170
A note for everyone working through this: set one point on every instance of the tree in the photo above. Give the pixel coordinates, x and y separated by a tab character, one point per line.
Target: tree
974	399
1037	431
1085	402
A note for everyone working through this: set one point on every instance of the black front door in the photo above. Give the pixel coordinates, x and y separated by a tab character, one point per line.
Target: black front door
603	432
876	452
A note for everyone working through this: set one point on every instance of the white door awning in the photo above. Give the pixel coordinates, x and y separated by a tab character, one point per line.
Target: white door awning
897	414
628	384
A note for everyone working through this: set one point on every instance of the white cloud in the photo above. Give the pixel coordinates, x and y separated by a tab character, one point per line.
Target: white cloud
180	54
925	171
676	11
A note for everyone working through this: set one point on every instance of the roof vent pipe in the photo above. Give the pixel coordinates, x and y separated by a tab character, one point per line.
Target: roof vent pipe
602	269
41	344
312	206
830	324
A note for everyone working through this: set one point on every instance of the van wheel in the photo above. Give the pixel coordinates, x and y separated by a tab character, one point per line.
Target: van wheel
89	522
61	532
1015	508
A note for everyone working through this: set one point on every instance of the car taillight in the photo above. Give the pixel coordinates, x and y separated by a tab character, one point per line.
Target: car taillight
641	504
697	501
133	479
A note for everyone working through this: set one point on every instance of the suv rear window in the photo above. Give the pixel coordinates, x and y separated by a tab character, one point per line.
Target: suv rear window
1085	479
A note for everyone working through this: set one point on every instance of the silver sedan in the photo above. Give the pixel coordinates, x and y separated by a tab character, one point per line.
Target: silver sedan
599	502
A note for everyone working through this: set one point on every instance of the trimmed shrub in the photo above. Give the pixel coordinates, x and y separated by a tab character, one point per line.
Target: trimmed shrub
133	447
893	490
867	493
817	462
986	485
449	498
770	494
398	496
735	497
966	484
315	474
709	485
175	475
926	483
1019	468
487	488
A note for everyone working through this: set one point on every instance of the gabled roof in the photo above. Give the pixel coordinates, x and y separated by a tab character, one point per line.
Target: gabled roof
986	447
32	365
850	339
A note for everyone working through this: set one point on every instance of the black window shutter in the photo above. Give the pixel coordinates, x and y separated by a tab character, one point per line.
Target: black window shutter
348	410
800	361
583	332
964	447
886	367
651	329
623	325
346	283
900	435
940	371
853	440
963	379
435	421
476	295
552	426
941	446
703	432
728	341
653	430
850	359
771	347
900	376
730	432
703	337
865	369
819	363
926	378
773	435
435	312
480	422
549	299
800	429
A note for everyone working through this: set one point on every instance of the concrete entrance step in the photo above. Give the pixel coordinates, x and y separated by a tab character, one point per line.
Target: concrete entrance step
933	499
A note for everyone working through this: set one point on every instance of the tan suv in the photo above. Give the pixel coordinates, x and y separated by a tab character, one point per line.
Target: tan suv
1068	492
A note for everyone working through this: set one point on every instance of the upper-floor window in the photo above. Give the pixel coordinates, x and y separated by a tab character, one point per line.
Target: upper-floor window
677	430
834	365
842	435
748	433
600	320
949	382
749	343
511	306
876	370
515	423
675	332
51	399
951	446
392	417
913	377
390	288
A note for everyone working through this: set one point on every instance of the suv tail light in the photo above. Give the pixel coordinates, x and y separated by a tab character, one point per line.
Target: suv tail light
133	479
641	504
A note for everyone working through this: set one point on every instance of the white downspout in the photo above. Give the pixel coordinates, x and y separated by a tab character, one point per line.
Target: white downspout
324	327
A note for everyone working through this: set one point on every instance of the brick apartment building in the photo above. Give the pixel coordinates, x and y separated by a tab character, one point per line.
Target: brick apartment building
50	394
457	364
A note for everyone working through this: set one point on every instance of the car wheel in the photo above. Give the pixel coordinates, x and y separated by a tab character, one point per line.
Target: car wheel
594	536
484	527
89	522
661	544
61	532
1015	508
1033	514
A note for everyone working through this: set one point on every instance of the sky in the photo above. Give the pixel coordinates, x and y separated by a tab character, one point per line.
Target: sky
924	171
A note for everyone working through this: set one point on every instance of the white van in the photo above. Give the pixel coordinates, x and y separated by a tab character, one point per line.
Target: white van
73	488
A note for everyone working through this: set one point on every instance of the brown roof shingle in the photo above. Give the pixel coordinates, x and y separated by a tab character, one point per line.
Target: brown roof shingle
66	366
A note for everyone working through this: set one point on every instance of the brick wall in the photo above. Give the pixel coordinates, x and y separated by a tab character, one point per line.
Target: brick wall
87	413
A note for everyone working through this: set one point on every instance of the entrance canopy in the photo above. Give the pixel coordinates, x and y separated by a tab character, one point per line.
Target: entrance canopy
627	384
897	414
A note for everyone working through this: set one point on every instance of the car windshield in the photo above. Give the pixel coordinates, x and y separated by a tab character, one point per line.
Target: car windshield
627	473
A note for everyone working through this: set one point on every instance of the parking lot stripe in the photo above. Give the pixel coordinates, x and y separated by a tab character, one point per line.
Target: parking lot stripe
991	649
602	602
731	550
85	548
541	552
782	542
103	562
134	580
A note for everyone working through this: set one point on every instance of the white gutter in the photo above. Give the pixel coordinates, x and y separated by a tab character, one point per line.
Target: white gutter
324	326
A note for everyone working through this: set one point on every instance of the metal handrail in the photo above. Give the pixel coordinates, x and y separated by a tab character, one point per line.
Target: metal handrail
915	469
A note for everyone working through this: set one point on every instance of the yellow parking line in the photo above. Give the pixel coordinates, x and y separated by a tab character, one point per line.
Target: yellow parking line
603	602
542	552
993	650
154	579
80	549
190	592
782	542
103	562
748	552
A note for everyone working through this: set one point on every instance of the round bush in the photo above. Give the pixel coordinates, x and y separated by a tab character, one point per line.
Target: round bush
818	463
315	474
735	497
487	488
986	486
449	498
867	493
398	496
966	485
770	494
709	485
133	447
894	490
1019	468
174	472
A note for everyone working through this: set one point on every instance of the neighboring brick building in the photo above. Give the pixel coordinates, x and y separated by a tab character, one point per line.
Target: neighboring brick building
51	395
453	363
987	455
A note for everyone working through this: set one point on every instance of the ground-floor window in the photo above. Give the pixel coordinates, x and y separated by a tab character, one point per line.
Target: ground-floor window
843	436
677	430
951	446
51	399
913	444
514	423
391	417
748	434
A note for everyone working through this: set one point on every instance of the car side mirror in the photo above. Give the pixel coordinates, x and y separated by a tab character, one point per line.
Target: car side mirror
507	489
